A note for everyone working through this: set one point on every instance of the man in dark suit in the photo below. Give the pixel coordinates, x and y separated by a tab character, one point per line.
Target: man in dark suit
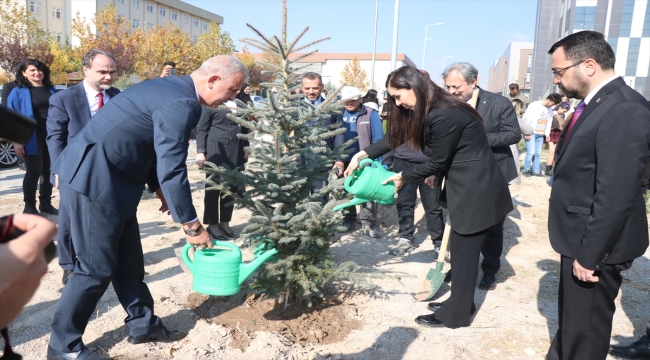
140	136
597	219
502	129
70	110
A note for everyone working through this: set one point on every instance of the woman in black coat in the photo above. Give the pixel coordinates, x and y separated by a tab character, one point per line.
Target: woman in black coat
217	142
476	194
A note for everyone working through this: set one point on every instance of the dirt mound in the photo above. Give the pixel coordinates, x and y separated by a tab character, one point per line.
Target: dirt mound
327	321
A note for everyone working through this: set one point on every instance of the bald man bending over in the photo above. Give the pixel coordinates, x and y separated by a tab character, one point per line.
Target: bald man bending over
139	137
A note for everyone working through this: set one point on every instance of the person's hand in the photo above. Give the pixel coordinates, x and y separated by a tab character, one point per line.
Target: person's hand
354	162
339	166
200	159
19	149
166	72
22	264
56	181
546	138
431	181
202	239
397	179
163	207
584	274
527	137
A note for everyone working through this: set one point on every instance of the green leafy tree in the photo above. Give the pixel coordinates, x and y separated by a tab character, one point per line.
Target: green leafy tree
289	152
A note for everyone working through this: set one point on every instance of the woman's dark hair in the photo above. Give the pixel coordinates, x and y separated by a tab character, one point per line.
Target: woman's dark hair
22	81
371	96
408	125
242	96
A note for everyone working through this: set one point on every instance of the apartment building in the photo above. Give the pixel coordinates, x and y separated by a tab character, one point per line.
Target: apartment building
515	66
57	15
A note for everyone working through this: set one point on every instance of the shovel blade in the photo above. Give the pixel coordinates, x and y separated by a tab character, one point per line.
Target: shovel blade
430	286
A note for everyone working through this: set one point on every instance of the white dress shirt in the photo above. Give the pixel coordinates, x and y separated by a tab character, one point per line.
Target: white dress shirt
93	99
593	92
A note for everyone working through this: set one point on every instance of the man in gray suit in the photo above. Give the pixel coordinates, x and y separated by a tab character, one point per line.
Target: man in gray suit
139	137
70	110
502	128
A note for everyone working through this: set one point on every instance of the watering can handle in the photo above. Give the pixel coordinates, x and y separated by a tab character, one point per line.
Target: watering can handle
190	263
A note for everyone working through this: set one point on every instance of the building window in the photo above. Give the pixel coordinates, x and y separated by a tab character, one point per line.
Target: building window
135	23
174	15
59	37
205	25
35	7
136	4
528	79
150	7
56	13
626	18
196	22
195	38
646	23
585	18
632	56
120	1
163	11
186	19
149	26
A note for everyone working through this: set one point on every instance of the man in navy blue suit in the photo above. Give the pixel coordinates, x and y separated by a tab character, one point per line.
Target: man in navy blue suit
139	137
70	110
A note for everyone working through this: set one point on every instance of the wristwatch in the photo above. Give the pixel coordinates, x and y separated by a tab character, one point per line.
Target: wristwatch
192	232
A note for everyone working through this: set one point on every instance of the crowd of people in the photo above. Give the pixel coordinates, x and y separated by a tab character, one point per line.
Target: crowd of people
460	135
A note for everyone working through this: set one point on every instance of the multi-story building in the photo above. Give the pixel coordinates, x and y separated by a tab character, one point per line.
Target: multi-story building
515	66
330	66
57	15
625	24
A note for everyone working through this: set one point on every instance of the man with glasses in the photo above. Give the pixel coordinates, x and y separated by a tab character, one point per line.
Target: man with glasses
597	218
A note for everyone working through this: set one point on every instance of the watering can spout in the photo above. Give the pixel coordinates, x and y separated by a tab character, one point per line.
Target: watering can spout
245	270
353	202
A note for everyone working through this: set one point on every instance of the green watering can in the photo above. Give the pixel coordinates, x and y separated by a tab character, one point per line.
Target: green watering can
365	184
219	271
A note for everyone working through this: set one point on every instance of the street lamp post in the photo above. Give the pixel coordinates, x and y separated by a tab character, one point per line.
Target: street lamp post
393	55
374	47
426	29
442	68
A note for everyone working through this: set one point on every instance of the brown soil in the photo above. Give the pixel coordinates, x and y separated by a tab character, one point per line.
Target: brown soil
326	322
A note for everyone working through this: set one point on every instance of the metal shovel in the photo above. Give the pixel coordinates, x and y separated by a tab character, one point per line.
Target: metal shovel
429	286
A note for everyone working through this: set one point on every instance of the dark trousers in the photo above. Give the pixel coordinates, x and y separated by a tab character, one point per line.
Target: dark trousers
457	310
492	249
108	250
215	209
67	256
35	166
585	313
405	204
366	215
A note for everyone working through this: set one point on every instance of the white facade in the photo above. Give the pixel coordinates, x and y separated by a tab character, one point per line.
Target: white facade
57	15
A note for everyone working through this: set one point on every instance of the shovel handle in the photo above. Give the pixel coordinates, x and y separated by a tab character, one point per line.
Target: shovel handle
445	241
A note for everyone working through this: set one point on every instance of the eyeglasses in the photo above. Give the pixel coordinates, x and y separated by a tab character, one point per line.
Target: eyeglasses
560	72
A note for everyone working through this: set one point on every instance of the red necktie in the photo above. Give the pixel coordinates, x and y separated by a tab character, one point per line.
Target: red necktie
575	117
101	101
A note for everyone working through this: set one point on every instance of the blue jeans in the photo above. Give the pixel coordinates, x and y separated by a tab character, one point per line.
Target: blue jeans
533	148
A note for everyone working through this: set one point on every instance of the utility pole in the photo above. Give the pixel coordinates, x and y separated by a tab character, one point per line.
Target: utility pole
393	55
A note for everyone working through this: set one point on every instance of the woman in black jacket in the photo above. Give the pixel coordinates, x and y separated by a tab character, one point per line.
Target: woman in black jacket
476	194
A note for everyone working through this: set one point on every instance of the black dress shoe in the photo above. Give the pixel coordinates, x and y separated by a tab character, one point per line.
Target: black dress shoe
433	306
84	354
214	236
229	234
488	282
66	276
30	208
160	335
637	350
430	320
48	209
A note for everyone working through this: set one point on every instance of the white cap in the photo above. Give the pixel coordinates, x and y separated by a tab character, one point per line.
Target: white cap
350	93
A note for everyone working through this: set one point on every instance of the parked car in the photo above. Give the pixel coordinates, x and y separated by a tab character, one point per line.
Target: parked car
8	156
259	102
